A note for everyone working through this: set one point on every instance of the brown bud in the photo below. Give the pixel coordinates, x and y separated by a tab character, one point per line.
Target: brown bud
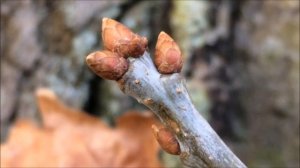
168	57
107	65
118	38
166	140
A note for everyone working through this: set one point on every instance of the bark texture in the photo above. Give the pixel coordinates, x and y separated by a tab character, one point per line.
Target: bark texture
167	96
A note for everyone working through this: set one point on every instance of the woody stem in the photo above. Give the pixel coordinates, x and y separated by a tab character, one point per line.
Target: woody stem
168	98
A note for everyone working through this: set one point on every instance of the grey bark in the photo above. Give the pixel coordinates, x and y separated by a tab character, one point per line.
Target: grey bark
168	98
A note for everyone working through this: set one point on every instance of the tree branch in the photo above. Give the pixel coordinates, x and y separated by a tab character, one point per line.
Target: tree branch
168	98
126	61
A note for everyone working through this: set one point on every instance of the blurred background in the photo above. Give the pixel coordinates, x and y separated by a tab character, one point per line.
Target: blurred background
241	63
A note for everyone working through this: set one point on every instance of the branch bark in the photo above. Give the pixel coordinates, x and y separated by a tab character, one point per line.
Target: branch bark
168	98
126	61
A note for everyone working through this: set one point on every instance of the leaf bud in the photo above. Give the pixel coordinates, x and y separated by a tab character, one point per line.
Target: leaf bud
120	39
168	57
107	65
166	140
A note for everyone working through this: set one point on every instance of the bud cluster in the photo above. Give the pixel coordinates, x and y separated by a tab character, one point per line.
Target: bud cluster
121	43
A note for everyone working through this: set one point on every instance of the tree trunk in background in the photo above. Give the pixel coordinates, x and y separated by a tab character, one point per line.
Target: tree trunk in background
267	36
44	43
246	54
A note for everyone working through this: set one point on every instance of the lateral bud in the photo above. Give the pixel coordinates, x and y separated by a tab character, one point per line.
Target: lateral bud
168	57
107	65
166	140
118	38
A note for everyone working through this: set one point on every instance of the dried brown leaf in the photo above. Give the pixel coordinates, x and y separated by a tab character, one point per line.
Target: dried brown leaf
70	138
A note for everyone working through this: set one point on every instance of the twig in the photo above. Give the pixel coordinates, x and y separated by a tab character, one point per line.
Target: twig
168	98
164	92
